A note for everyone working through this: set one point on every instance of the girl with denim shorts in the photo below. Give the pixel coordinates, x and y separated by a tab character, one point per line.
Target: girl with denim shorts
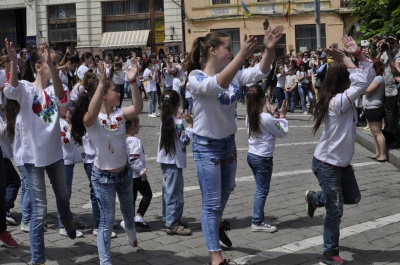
343	84
41	103
105	127
263	128
215	90
172	157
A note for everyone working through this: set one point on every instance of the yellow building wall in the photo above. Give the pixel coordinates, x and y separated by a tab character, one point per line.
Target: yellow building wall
202	16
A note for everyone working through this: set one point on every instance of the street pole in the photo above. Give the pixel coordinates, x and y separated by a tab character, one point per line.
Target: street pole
317	14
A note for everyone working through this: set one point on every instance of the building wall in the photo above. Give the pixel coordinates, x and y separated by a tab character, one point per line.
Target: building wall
204	16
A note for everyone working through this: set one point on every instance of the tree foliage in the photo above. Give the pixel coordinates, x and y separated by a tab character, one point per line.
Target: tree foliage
377	17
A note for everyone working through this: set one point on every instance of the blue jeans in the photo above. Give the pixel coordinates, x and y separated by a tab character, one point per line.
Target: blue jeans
127	88
26	208
190	103
334	181
291	98
262	171
172	193
37	187
69	175
152	101
303	93
280	96
106	185
216	165
95	205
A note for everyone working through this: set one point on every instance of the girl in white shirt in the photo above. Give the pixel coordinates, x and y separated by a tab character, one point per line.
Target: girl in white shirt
280	85
263	128
87	59
149	83
67	66
111	173
40	104
343	84
172	157
215	91
118	78
79	87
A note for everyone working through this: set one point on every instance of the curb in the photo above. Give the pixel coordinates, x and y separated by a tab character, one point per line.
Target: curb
367	141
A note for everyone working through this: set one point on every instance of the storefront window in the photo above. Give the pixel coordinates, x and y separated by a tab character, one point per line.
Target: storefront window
62	25
306	37
125	7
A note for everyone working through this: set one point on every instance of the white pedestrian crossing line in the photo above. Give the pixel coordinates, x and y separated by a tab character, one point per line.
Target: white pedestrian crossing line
245	148
246	178
311	242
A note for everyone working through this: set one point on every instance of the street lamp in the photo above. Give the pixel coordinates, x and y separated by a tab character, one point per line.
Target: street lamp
266	24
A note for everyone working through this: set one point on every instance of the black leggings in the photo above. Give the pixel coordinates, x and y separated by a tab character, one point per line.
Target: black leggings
144	188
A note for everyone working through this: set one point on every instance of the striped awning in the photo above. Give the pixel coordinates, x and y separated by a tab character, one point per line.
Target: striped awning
124	39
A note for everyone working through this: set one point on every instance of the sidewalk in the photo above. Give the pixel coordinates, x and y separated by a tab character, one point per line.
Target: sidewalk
365	138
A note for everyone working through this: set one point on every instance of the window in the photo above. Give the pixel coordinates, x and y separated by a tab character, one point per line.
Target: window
234	34
125	7
219	2
306	37
113	26
159	5
62	23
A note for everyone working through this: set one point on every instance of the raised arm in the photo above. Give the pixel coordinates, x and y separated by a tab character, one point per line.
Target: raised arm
271	38
95	104
57	84
137	101
14	62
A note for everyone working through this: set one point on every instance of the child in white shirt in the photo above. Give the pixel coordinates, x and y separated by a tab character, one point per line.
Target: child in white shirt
290	89
139	171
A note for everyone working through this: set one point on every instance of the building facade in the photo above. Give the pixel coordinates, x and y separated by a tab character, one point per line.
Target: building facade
300	28
97	26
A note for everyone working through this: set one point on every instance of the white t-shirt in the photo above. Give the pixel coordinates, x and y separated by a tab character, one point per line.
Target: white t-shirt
76	92
5	142
136	156
281	80
17	143
90	151
176	85
336	145
3	79
183	138
149	82
71	153
64	77
214	106
107	135
81	71
263	144
119	77
40	129
167	78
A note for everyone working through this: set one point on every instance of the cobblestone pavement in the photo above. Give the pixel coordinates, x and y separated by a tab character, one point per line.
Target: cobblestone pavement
370	230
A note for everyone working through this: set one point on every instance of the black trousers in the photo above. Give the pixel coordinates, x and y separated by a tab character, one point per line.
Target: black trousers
144	188
391	130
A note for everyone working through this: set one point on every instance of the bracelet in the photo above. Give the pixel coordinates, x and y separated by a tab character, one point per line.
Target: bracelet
357	52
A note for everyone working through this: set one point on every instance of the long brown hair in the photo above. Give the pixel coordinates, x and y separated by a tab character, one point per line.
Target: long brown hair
170	100
11	110
200	48
254	98
336	81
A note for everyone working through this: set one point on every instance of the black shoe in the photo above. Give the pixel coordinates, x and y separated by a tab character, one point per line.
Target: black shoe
223	237
142	225
11	220
311	201
331	259
70	229
227	225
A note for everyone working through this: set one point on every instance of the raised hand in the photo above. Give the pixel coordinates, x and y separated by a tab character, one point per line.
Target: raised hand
337	55
350	44
188	118
11	51
132	72
102	72
248	45
269	108
44	48
272	36
284	108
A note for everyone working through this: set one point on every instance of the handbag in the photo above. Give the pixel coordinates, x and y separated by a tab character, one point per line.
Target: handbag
305	83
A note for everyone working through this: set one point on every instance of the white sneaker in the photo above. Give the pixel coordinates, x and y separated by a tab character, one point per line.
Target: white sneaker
64	233
113	234
131	238
153	115
25	228
158	114
11	220
263	227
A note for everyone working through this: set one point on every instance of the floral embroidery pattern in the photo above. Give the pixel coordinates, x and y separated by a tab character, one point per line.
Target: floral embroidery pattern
64	138
278	126
182	136
45	111
112	125
200	77
227	99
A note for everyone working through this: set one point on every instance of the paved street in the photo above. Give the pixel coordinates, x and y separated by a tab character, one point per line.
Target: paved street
370	231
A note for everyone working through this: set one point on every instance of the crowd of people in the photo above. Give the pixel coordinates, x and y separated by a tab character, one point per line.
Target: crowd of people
78	97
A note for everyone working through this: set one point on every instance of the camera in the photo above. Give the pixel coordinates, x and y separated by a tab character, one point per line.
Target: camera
384	47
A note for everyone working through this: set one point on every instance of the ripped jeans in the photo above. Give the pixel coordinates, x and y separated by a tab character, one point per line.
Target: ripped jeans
338	186
216	165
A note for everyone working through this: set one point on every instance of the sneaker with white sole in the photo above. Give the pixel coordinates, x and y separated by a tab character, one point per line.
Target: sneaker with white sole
153	115
63	232
11	220
263	227
113	234
131	238
25	228
7	240
139	221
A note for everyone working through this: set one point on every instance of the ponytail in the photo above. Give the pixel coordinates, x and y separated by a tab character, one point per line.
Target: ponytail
254	99
11	110
170	100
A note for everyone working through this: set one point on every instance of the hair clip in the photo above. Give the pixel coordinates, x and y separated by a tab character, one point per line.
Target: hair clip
166	96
